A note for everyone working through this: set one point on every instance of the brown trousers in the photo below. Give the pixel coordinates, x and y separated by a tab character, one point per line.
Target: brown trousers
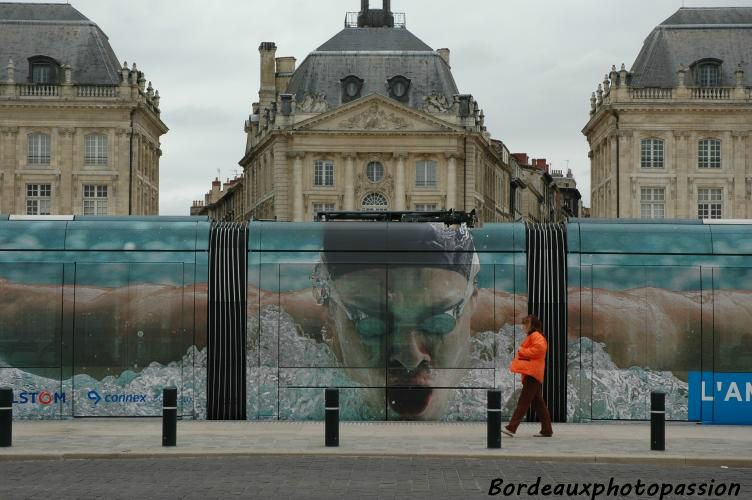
532	393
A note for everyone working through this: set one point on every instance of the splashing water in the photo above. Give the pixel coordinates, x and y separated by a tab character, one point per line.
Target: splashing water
285	382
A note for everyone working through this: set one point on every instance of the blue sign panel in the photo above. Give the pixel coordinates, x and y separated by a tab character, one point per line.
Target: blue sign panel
720	398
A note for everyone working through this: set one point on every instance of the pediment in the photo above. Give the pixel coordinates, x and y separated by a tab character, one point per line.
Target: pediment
376	114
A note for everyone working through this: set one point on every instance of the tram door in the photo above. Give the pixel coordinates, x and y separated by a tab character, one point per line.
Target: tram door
128	336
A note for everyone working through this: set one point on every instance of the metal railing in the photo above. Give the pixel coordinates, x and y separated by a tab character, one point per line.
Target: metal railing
351	20
449	217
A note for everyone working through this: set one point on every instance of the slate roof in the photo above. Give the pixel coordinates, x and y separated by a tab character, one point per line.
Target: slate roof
375	55
58	31
374	39
693	34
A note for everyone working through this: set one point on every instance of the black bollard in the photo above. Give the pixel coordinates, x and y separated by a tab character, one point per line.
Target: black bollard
657	421
169	416
331	407
6	418
494	419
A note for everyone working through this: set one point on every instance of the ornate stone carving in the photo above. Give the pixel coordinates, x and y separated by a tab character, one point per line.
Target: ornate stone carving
313	103
672	187
376	118
436	103
10	131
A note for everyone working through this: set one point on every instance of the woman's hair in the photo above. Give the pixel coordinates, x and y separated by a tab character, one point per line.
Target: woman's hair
536	325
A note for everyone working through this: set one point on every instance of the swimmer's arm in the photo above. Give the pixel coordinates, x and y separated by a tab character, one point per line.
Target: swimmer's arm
300	304
494	309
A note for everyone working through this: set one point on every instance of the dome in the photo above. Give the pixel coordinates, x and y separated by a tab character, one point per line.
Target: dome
374	56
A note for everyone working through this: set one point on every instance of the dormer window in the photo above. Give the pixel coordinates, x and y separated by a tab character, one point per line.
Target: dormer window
708	73
351	88
43	70
399	88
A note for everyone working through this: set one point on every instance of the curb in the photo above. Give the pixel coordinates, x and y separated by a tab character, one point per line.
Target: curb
597	459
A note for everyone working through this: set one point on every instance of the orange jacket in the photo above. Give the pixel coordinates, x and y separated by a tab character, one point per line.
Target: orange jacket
531	357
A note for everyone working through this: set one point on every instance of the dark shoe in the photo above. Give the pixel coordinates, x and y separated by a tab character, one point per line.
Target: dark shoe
541	435
507	432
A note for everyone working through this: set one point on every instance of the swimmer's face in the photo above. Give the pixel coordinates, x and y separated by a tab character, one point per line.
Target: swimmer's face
407	329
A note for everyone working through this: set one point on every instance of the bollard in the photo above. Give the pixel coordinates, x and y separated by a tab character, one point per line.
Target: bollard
169	416
494	419
331	406
6	418
657	421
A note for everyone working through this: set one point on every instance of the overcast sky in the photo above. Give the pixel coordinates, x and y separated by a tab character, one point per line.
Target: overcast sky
531	64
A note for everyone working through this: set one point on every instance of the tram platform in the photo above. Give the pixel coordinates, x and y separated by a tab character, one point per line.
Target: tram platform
612	442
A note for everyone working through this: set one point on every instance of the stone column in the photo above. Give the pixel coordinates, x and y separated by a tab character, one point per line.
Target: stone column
297	187
66	200
8	166
681	161
611	196
349	182
399	183
451	199
739	196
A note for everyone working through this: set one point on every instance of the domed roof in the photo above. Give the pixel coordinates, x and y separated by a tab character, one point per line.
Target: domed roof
375	55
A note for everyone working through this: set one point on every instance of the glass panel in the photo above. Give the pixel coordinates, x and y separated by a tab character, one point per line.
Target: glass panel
673	333
619	343
646	337
129	337
429	340
31	312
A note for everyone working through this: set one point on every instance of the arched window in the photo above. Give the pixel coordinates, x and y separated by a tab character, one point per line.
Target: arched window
709	153
708	74
38	149
95	149
43	70
651	153
375	202
351	88
375	171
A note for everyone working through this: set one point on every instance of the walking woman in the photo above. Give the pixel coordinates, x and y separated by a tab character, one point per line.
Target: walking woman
530	362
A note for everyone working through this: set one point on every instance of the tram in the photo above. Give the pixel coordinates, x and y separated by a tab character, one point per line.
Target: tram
411	316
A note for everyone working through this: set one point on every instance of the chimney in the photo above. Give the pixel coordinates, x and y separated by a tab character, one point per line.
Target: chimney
444	54
268	89
285	69
522	158
540	164
216	191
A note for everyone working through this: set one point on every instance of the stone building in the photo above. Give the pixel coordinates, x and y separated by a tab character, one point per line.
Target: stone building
224	202
370	120
671	137
537	196
571	198
79	131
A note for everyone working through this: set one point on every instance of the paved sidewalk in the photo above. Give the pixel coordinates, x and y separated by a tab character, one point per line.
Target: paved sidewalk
687	444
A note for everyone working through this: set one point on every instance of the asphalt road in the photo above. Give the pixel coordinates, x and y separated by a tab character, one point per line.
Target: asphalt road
312	477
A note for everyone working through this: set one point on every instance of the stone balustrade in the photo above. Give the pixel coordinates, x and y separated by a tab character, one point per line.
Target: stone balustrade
98	91
651	93
677	94
38	90
714	93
